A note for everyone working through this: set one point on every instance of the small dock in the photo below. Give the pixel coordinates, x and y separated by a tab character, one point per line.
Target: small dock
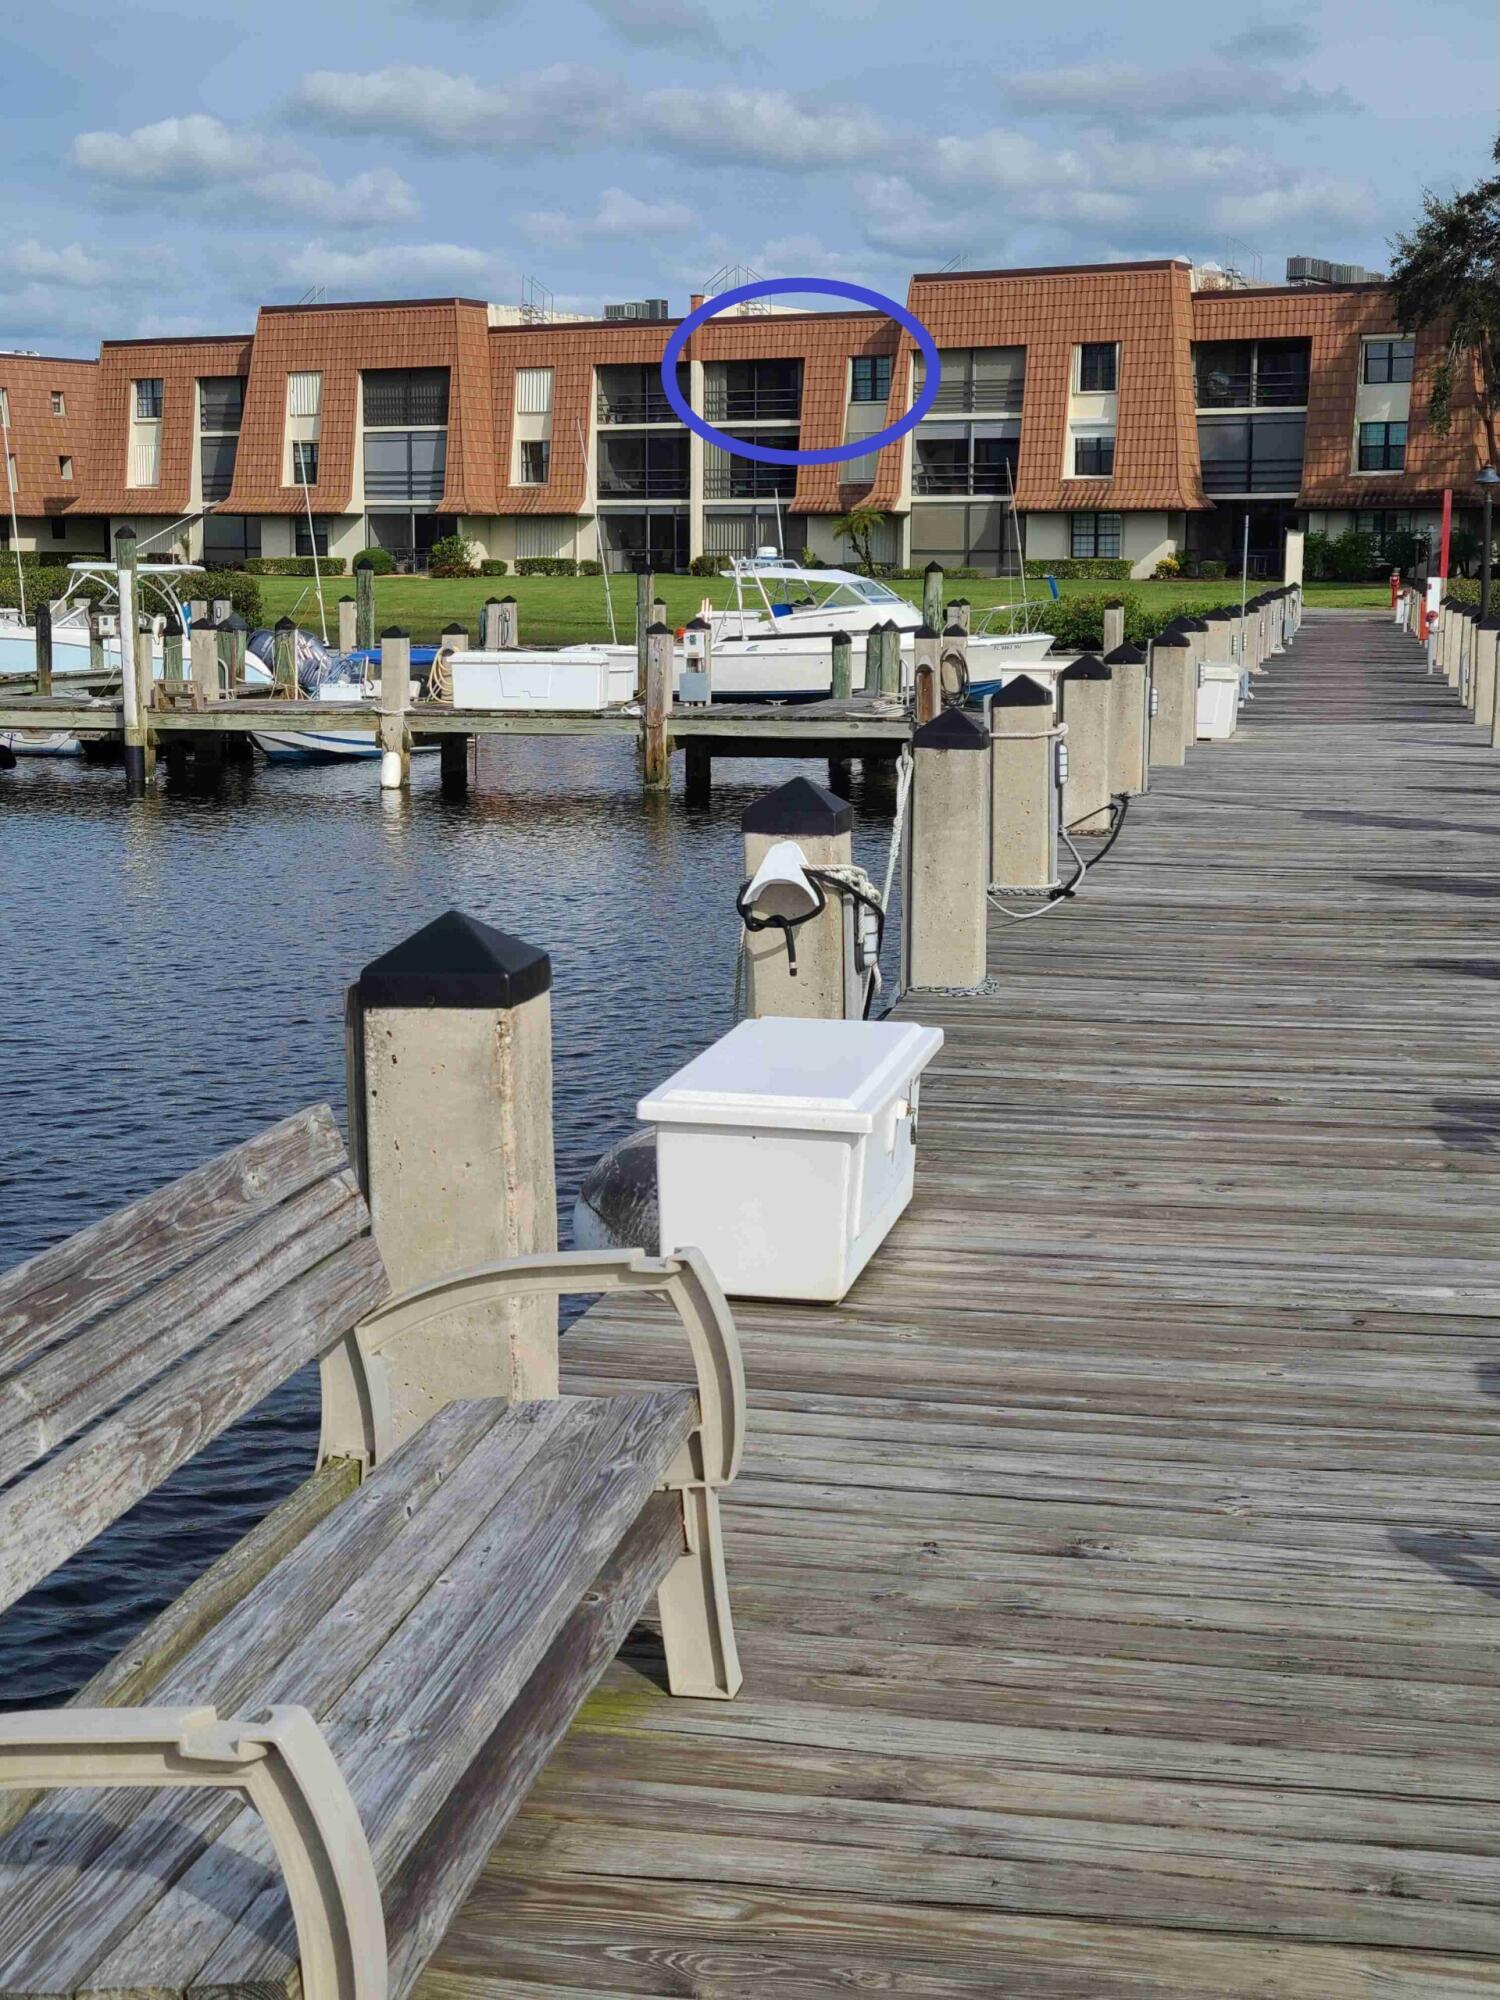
1116	1570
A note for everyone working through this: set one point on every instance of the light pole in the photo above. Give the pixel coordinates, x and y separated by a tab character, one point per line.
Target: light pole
1488	480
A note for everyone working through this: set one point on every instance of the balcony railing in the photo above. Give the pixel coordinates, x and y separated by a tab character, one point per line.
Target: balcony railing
1246	475
643	486
722	405
652	408
418	486
216	485
1249	389
979	479
1004	400
749	482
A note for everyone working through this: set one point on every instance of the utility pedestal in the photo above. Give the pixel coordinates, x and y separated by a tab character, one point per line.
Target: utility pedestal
823	827
1129	720
1085	698
450	1095
948	853
1024	738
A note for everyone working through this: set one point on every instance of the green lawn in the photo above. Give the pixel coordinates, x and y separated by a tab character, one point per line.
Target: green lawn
559	610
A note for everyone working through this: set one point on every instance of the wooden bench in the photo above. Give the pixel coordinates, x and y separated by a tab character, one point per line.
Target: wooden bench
358	1696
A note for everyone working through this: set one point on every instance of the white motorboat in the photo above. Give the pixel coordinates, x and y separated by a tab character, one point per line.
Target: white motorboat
773	643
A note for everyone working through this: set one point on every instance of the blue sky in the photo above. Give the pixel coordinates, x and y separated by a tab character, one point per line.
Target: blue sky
167	167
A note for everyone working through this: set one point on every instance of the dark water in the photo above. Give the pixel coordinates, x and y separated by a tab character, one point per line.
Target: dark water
171	979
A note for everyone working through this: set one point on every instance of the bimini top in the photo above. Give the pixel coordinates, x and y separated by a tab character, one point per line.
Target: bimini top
829	587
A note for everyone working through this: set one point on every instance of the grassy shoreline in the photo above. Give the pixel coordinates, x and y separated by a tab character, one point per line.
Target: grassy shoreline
557	611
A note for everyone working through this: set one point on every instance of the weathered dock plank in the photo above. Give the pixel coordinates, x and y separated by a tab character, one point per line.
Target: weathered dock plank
1116	1578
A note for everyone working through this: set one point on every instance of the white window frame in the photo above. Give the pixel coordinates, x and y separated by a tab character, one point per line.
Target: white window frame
59	403
304	393
1078	388
533	392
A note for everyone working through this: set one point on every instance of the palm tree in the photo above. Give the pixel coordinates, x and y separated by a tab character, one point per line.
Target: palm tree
1447	273
856	527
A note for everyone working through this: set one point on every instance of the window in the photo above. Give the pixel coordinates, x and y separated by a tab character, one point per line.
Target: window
304	395
1095	535
1094	457
1389	360
59	403
1382	447
976	378
230	540
644	465
65	468
870	378
1096	367
408	395
1381	526
536	455
221	402
4	407
533	392
405	465
305	462
59	528
144	461
148	402
315	543
1252	454
13	477
216	457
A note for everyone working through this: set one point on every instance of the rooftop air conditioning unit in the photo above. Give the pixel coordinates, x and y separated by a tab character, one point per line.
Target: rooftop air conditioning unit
638	309
1318	271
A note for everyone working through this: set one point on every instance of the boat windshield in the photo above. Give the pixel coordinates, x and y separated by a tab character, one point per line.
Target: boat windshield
860	590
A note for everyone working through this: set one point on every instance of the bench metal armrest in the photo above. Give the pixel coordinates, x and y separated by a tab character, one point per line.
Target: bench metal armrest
280	1764
684	1278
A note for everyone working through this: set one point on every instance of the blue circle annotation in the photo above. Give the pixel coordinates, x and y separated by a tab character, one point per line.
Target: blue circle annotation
833	454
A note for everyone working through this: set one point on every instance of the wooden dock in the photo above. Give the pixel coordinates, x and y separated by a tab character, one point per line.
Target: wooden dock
1117	1569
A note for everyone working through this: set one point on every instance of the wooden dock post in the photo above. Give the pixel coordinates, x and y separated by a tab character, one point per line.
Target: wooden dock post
173	680
232	636
932	596
453	765
284	658
145	694
890	658
197	611
1129	720
1024	793
450	1094
946	908
395	739
843	666
1085	697
96	640
364	604
961	614
508	623
645	618
953	666
1114	628
1174	682
203	662
43	616
698	773
822	988
133	719
656	762
874	647
658	611
927	685
348	614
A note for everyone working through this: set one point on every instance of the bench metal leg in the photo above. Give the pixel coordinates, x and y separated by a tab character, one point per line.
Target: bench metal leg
280	1764
697	1627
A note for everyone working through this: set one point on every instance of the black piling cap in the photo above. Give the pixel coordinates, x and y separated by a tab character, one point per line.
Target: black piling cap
456	961
656	630
696	625
1022	692
508	598
1490	624
286	624
363	562
346	598
395	632
954	729
924	631
1125	656
955	631
842	639
172	625
496	600
931	567
124	534
1219	616
233	623
453	625
1186	622
1089	667
798	806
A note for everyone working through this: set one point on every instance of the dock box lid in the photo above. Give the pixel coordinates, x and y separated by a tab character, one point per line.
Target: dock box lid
795	1075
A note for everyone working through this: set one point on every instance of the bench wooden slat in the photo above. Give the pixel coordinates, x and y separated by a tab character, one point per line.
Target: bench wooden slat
72	1384
99	1477
46	1298
414	1722
303	1634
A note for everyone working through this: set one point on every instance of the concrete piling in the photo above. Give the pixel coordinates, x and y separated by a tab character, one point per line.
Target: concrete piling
1114	628
394	737
1024	735
1085	699
823	986
1129	720
450	1091
1486	633
1174	681
946	909
932	596
348	611
203	663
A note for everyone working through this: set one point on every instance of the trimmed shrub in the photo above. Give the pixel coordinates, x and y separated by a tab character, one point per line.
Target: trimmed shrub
49	580
1065	567
546	566
588	567
294	566
451	555
1166	569
706	565
380	560
1077	623
493	566
1210	569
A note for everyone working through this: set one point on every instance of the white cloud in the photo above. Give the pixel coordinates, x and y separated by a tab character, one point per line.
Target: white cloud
397	269
204	162
1122	95
760	128
69	264
653	23
619	216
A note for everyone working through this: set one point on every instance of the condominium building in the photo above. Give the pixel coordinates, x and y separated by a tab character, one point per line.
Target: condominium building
1115	410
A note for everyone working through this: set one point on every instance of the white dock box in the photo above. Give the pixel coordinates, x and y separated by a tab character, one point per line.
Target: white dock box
1218	700
572	681
786	1150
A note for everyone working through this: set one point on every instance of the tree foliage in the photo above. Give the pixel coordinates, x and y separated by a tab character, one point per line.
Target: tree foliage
1446	273
858	527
